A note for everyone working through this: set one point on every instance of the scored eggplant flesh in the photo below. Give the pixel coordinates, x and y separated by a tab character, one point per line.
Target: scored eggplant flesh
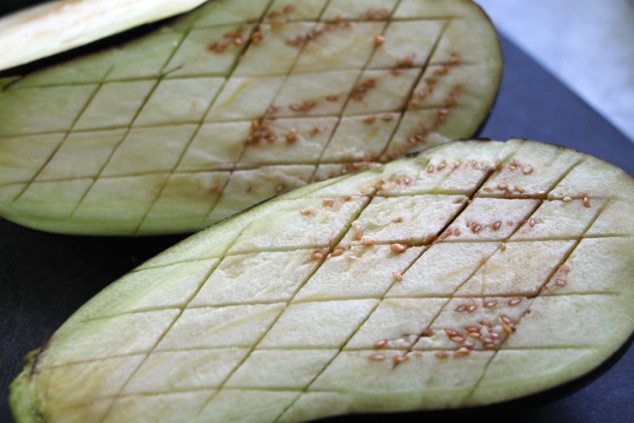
474	273
234	103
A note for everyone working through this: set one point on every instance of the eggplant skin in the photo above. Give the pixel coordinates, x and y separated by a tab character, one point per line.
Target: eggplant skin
236	102
21	397
477	272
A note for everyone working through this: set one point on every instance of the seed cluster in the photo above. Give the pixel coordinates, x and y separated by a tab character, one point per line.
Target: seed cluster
315	33
432	81
377	15
489	321
304	107
478	227
482	335
396	182
398	248
263	133
279	18
359	91
406	62
559	279
585	199
229	40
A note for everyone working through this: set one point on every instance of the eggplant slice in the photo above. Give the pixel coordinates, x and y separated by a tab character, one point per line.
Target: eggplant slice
474	273
33	33
236	102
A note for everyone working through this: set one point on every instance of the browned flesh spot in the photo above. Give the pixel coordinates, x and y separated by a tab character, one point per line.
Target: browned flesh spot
317	255
381	344
315	33
229	40
261	133
377	357
398	248
442	114
256	37
405	62
337	252
397	359
361	89
377	15
304	107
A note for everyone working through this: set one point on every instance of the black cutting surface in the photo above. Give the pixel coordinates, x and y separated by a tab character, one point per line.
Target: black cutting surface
45	277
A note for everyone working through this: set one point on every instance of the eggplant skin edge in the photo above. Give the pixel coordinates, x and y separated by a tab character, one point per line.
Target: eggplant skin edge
22	398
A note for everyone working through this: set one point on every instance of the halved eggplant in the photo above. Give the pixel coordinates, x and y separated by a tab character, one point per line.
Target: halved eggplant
475	273
34	33
234	103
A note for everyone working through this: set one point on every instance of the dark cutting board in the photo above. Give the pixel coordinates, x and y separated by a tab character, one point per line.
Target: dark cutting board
45	277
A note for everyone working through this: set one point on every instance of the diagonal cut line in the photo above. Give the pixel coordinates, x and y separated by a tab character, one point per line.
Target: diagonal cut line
167	330
200	124
537	206
412	92
553	185
193	295
437	240
534	298
234	166
289	301
341	114
370	314
344	231
136	115
30	183
147	355
146	100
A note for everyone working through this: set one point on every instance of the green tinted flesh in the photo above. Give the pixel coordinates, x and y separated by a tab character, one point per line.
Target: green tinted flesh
475	273
234	103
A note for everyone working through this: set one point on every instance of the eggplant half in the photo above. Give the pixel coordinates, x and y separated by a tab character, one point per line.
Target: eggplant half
236	102
474	273
34	33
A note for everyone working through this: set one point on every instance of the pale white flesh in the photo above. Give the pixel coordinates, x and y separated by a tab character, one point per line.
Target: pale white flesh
236	102
60	25
475	273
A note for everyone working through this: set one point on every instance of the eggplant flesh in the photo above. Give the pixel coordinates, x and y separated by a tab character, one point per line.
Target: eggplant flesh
234	103
474	273
27	35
